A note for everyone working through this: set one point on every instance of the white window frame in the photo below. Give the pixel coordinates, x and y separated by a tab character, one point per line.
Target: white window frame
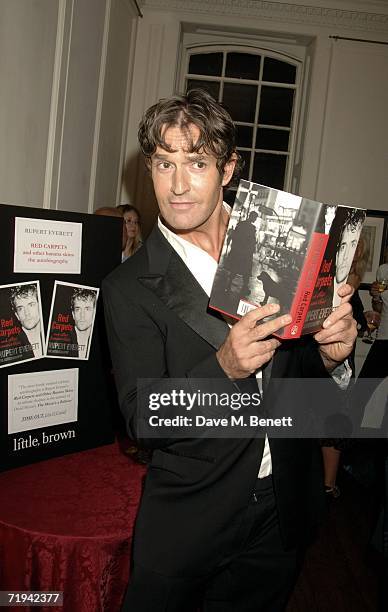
291	177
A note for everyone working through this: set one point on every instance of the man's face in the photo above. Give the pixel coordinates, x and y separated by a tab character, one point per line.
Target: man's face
83	311
188	186
27	311
346	252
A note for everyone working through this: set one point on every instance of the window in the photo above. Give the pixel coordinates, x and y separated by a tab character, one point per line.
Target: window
260	89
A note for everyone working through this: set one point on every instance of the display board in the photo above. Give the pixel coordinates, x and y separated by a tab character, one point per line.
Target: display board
55	375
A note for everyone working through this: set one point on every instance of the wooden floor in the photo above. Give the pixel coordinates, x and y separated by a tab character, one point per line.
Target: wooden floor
340	573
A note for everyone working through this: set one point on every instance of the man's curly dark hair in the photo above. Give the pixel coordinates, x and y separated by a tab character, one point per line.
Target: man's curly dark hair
217	132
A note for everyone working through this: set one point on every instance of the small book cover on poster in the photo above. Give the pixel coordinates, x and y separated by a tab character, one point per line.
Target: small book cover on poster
285	249
21	323
72	315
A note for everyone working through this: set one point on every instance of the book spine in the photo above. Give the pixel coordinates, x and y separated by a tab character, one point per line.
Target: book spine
305	288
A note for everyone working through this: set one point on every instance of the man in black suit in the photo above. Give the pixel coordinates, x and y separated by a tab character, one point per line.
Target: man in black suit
222	521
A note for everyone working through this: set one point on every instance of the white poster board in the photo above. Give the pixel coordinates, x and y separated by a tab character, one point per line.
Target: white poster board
47	246
42	399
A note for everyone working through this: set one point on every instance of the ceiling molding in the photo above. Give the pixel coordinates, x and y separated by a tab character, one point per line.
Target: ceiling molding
360	20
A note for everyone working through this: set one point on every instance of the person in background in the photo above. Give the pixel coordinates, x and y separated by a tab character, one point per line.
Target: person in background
376	367
333	448
128	446
376	362
114	211
132	224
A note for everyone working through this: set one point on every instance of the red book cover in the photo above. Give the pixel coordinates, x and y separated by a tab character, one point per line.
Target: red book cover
273	252
345	224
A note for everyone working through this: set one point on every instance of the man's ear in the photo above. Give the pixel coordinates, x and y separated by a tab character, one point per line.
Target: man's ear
228	170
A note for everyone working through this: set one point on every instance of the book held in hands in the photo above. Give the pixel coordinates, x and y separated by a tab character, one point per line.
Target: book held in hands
285	249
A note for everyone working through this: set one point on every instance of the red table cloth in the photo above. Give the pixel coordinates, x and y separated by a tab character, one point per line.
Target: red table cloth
66	525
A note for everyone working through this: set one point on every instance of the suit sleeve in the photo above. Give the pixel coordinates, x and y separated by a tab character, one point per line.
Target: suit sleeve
137	346
137	350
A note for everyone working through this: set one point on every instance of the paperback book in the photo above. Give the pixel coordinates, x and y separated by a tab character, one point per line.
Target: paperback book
285	249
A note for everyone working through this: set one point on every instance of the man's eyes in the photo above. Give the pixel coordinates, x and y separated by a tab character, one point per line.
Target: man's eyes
164	165
200	165
197	165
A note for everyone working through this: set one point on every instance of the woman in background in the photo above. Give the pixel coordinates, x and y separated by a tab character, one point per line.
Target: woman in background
132	224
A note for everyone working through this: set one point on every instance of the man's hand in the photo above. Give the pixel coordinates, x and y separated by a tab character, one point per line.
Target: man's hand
377	302
248	345
374	290
339	332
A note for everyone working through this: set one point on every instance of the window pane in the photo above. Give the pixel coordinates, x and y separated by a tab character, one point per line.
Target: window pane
246	155
269	169
206	63
276	140
240	100
276	106
243	66
244	136
211	86
278	72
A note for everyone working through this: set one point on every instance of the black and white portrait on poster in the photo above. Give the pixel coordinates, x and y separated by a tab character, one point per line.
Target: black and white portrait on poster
21	327
72	315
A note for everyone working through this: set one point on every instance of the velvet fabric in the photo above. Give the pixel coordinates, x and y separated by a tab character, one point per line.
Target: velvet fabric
66	525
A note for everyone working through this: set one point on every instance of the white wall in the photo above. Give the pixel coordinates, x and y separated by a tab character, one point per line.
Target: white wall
114	111
354	161
27	50
65	73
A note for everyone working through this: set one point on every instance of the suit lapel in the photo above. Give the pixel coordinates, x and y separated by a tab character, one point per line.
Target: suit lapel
171	280
173	283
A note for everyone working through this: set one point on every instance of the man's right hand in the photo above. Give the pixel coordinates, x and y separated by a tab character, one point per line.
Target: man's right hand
248	345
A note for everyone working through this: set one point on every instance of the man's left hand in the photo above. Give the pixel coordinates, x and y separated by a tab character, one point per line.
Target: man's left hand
339	331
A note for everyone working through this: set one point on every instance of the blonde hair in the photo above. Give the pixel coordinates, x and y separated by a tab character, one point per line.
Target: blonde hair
135	244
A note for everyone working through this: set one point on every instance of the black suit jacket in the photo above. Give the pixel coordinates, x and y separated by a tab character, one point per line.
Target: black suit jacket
196	490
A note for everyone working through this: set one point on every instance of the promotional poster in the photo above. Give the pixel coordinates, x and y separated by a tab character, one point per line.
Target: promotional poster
47	246
42	399
72	315
21	323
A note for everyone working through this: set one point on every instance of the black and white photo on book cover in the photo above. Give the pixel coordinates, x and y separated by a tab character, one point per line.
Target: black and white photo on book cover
21	323
72	315
264	249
